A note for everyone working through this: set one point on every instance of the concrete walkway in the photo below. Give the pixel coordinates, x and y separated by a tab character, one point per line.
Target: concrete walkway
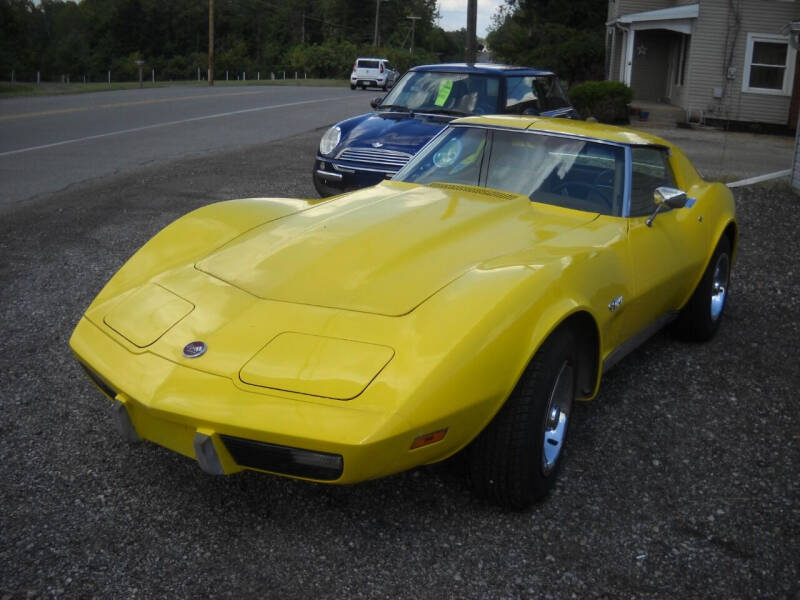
725	155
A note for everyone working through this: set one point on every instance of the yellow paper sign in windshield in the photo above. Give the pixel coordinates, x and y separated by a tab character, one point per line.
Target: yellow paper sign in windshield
444	92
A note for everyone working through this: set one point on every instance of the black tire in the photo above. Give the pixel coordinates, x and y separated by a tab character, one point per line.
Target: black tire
352	87
699	320
507	462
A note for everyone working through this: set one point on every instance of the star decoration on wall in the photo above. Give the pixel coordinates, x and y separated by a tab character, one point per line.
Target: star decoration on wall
641	50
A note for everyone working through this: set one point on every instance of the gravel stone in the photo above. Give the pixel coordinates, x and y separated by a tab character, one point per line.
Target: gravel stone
680	481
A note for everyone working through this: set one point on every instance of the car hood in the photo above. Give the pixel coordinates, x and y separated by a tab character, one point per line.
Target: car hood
382	250
395	131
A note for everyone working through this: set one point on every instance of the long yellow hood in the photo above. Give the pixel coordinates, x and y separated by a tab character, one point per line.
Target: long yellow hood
383	250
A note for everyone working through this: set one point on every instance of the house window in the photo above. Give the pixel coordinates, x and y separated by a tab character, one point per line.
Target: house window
768	64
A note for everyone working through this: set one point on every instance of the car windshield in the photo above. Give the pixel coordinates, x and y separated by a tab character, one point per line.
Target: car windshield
447	93
564	171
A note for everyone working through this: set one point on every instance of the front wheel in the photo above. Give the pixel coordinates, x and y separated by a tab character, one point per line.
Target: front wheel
699	320
516	459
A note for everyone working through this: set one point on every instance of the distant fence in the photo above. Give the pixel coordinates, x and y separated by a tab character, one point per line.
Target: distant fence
154	75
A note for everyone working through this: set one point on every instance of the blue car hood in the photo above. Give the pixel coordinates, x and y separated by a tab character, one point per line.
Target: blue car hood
395	131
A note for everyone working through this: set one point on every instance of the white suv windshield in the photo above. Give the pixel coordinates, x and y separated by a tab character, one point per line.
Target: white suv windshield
456	93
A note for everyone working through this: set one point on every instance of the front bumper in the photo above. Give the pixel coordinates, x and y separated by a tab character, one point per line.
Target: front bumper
227	429
335	177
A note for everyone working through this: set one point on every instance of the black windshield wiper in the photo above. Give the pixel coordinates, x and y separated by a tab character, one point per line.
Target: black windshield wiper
445	111
395	106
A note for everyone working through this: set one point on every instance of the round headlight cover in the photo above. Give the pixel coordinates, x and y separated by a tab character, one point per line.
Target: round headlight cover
330	140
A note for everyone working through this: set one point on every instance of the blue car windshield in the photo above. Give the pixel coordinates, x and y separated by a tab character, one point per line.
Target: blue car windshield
455	93
564	171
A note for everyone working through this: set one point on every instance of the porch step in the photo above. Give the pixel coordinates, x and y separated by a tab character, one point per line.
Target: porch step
657	114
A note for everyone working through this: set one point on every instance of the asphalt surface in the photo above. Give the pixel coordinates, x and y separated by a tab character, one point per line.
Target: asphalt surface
680	480
727	155
48	143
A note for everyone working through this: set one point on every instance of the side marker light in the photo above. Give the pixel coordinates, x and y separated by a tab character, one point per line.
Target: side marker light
429	438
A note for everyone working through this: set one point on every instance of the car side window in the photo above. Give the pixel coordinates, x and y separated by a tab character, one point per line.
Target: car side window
521	95
650	169
551	94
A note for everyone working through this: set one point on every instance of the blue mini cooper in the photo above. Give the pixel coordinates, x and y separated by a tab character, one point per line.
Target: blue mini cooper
364	150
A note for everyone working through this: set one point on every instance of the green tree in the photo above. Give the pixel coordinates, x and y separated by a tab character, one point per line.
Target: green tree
564	36
89	37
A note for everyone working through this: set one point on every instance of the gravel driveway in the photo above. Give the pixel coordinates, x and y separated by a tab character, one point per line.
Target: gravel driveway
681	479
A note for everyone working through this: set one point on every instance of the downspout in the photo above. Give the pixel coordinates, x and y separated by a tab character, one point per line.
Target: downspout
623	51
627	32
731	38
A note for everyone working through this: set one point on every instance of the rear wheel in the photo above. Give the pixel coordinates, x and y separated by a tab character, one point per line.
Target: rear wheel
700	318
516	459
352	86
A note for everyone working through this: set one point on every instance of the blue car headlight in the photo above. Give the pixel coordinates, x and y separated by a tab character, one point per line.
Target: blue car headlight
330	140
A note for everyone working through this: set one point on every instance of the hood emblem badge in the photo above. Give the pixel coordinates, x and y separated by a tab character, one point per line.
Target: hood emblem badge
377	144
194	349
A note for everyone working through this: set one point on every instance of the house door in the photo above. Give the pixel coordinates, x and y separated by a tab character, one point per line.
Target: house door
651	58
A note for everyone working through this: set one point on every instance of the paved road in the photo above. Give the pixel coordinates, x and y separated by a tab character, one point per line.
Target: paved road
49	143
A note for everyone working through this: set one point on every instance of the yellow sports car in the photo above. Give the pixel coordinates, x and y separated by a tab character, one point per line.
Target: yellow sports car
463	305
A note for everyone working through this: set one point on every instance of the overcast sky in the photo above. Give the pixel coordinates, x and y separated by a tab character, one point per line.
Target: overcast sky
454	14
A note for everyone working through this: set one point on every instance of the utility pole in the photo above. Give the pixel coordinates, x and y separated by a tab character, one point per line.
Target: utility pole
413	23
376	39
210	42
303	29
377	12
472	19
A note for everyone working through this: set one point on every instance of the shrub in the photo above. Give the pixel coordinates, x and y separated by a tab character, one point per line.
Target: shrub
606	101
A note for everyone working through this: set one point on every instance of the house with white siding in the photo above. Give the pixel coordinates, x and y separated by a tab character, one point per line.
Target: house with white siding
716	59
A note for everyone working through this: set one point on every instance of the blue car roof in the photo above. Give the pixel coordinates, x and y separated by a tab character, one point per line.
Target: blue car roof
483	68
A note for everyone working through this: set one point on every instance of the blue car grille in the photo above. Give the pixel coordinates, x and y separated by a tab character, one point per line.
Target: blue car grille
382	156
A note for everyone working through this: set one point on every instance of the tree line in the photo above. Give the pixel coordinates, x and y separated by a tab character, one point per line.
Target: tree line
321	37
89	38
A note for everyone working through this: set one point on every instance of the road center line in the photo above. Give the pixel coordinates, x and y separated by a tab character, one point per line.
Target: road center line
167	124
760	178
74	109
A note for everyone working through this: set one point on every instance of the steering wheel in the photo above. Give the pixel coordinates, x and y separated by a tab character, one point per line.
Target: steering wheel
583	191
605	178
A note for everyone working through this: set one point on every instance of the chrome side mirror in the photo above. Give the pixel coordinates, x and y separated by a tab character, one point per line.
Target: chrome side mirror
672	197
666	197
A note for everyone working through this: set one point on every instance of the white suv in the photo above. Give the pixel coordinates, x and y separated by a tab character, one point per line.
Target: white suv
374	72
